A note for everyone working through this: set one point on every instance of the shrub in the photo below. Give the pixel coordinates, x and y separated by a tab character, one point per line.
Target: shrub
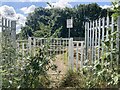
28	72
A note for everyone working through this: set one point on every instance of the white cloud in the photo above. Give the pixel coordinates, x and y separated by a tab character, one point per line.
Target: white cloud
28	10
60	4
21	22
106	6
18	28
10	13
21	19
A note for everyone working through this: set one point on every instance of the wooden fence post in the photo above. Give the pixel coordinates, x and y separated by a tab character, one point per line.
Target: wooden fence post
71	53
112	44
103	30
96	36
0	52
93	45
77	51
86	41
82	54
1	43
99	30
118	40
13	33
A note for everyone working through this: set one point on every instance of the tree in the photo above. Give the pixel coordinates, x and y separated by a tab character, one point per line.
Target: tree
49	20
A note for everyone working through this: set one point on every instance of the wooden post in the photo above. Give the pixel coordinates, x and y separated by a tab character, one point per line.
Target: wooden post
0	52
13	33
69	55
99	40
112	30
93	30
103	30
96	29
86	40
90	34
81	61
60	46
71	52
77	46
107	27
89	39
66	46
118	40
5	33
107	33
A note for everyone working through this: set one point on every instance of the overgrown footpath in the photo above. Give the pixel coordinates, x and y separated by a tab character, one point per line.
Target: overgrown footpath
31	71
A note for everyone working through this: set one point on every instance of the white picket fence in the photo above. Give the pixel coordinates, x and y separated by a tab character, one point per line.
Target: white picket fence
22	47
78	54
71	50
56	46
7	31
95	33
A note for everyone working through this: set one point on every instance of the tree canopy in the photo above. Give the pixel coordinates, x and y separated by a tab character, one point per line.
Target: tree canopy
43	21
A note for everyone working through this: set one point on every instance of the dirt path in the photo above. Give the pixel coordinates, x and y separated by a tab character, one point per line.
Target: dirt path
61	64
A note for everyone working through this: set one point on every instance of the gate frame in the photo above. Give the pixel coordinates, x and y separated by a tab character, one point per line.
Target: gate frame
88	40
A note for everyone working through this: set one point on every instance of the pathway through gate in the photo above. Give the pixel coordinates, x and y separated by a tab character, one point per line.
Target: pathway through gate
57	47
68	53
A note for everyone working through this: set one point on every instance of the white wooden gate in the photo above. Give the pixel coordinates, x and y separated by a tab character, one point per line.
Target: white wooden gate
59	47
95	33
64	48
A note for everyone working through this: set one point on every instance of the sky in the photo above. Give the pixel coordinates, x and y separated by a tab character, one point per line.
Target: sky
19	9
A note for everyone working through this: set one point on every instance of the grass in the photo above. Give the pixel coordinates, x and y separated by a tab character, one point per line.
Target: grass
63	57
72	79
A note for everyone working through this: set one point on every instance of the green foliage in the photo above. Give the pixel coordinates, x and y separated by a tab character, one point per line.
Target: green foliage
28	72
104	75
35	72
101	76
40	23
50	20
116	9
